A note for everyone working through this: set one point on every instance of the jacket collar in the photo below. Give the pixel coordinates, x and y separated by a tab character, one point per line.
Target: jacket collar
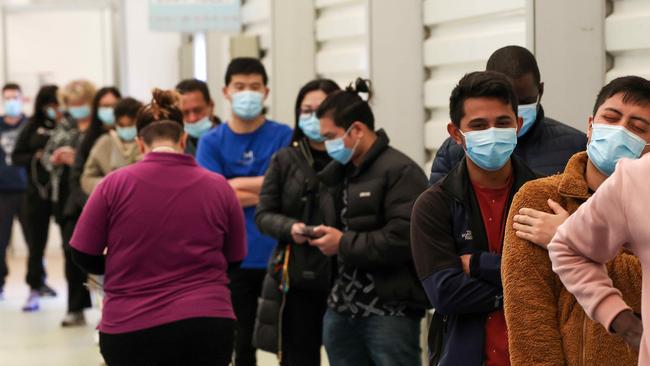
457	183
334	172
573	182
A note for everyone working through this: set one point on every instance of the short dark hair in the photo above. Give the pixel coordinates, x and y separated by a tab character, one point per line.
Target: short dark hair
11	86
635	89
246	66
161	119
128	107
480	84
346	106
194	85
161	130
327	86
515	62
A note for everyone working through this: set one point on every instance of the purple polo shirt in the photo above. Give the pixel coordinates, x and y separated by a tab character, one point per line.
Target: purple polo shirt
170	228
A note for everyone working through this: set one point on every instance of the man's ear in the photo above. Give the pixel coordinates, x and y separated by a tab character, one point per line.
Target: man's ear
520	122
141	145
266	92
359	128
590	127
211	109
226	94
183	142
541	91
454	133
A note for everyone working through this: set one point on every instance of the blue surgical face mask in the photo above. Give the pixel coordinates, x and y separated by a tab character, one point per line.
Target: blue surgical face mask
13	107
490	149
310	126
51	113
609	144
247	104
106	115
127	134
337	150
528	112
79	112
198	128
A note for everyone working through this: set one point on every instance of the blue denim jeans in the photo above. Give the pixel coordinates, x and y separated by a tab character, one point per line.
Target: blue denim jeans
374	340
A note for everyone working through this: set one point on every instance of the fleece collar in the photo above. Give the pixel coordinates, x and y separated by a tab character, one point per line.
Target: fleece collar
574	182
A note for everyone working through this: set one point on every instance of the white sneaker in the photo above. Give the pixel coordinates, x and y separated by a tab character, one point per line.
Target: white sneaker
32	303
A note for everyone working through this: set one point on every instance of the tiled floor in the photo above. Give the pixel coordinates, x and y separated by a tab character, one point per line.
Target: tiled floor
37	339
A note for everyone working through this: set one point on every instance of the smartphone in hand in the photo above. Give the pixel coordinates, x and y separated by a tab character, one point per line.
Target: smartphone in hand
310	233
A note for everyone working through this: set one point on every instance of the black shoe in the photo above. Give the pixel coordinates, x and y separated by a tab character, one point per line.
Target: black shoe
46	291
75	319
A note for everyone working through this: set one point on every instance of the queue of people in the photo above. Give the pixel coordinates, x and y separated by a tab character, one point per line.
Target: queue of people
215	239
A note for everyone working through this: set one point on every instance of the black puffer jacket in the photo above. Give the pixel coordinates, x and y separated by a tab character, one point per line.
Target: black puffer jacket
290	194
546	149
31	140
381	193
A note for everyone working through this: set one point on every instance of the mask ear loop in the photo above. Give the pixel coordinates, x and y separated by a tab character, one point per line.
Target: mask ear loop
354	148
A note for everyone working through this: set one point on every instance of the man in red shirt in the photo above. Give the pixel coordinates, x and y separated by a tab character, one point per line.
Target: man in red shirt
457	225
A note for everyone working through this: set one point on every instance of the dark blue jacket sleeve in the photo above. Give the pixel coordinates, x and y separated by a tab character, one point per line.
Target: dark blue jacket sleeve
438	263
448	156
486	266
453	292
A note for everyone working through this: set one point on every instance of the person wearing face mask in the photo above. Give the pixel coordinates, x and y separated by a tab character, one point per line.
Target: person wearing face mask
376	303
198	111
102	121
164	232
458	225
27	153
241	150
13	178
114	150
290	315
544	144
546	325
58	157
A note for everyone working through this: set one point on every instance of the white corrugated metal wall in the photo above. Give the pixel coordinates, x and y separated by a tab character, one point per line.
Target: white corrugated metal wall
627	40
460	39
342	39
256	21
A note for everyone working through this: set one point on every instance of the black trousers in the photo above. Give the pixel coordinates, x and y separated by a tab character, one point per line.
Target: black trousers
38	212
195	341
78	294
12	205
245	287
302	331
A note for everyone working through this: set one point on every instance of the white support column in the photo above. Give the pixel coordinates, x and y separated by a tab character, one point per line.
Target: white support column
293	45
570	51
397	73
218	57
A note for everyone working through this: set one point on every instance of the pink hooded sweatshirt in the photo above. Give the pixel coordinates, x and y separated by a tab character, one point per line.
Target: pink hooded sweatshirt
617	216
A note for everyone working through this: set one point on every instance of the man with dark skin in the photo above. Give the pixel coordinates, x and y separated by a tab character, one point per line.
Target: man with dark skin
544	144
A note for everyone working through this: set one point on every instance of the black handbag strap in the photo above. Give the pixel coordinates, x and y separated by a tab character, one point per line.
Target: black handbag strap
303	159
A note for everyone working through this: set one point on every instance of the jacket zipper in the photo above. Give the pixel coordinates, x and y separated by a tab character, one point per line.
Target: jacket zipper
583	350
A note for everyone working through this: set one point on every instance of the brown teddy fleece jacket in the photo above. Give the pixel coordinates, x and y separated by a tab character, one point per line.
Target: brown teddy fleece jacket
546	325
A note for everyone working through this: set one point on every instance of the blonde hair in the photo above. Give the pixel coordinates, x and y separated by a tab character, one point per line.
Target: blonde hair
77	90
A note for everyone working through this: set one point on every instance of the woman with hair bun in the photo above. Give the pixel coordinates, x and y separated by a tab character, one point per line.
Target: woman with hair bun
163	231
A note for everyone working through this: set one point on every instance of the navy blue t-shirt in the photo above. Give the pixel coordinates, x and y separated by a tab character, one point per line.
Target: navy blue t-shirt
12	178
236	155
